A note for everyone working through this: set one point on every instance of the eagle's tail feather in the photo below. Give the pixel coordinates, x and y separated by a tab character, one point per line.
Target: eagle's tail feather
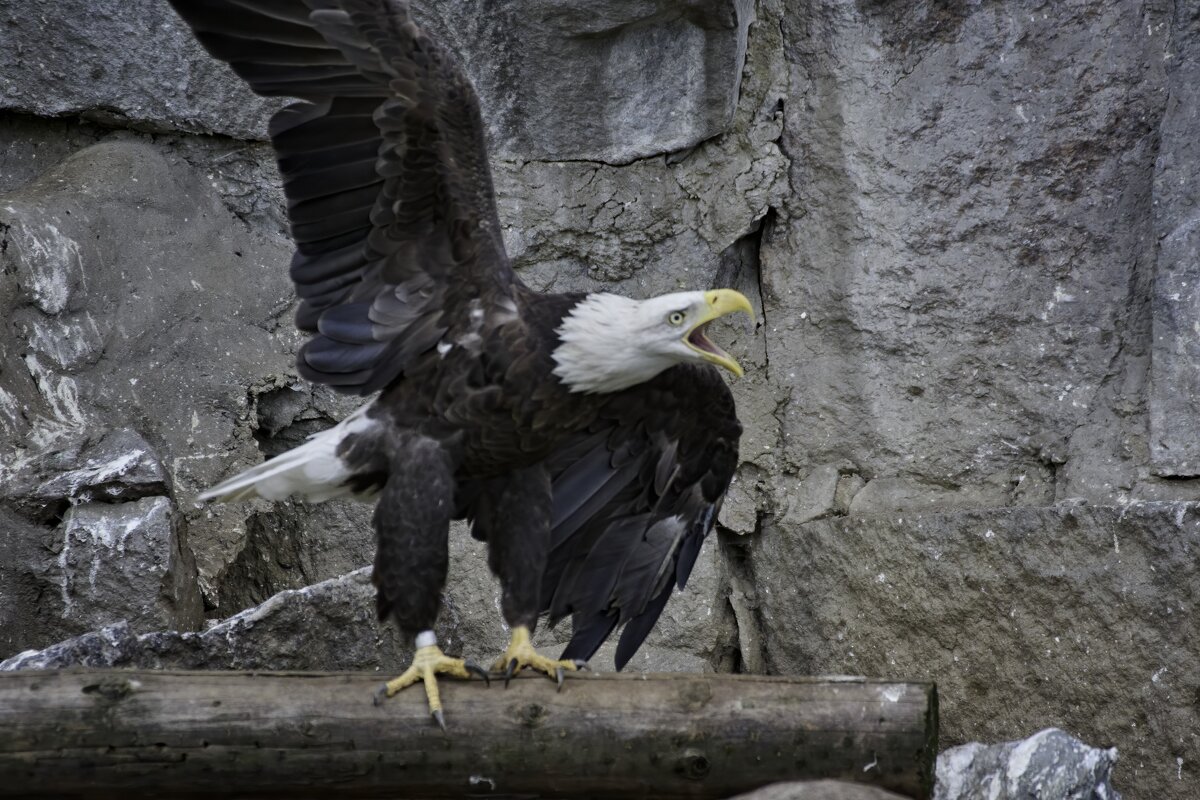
312	471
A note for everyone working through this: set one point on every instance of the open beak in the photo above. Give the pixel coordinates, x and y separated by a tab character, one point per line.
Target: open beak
718	303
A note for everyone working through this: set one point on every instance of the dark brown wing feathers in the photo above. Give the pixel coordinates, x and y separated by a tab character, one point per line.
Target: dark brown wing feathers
385	171
634	500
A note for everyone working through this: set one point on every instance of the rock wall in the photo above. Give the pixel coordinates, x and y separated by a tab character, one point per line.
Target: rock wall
973	433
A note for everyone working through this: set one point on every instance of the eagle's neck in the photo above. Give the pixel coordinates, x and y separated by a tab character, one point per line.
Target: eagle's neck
599	348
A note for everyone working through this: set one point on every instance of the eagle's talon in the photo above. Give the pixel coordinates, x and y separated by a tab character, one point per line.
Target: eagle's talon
509	672
428	662
475	669
520	654
380	695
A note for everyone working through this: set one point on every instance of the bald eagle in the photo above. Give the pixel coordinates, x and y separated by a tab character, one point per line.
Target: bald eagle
587	438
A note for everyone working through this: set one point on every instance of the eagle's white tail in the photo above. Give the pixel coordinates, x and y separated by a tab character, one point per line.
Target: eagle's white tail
312	471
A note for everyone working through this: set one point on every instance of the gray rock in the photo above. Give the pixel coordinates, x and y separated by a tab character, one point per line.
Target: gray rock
813	498
103	331
818	790
1175	363
739	511
23	616
129	63
893	494
327	626
113	645
1049	764
330	626
33	145
679	65
116	466
1078	616
963	262
625	225
123	561
848	487
101	563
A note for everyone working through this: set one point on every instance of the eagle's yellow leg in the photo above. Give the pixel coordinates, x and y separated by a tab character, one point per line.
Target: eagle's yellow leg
520	653
427	663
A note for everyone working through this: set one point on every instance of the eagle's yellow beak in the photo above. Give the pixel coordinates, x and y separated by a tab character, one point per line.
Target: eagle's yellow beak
717	303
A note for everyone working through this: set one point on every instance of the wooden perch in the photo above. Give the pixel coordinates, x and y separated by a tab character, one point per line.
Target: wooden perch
127	734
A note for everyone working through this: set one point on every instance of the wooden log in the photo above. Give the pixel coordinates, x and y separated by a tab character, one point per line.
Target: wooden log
129	734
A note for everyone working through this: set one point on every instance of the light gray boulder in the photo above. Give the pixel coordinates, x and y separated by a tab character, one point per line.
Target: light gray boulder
1049	764
818	790
124	373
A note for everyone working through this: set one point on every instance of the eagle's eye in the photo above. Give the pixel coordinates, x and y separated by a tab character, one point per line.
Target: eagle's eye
676	317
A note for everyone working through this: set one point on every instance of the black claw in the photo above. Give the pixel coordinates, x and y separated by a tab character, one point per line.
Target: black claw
508	673
380	695
475	669
558	674
439	718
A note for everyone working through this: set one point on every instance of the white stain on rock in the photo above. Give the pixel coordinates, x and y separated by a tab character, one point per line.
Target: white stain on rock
66	341
127	544
62	396
52	259
10	410
93	474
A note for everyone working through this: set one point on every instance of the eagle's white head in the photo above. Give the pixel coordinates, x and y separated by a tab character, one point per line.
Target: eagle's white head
611	342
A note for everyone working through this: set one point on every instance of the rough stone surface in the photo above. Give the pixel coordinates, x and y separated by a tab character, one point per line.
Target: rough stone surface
970	230
1077	616
103	331
958	287
1175	367
1048	764
325	626
105	542
116	466
329	625
123	559
678	63
128	63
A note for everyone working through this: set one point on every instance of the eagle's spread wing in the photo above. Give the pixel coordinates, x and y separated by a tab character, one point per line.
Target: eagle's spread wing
386	175
634	499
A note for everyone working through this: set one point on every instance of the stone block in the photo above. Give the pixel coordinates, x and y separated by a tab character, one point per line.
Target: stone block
1080	617
679	66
